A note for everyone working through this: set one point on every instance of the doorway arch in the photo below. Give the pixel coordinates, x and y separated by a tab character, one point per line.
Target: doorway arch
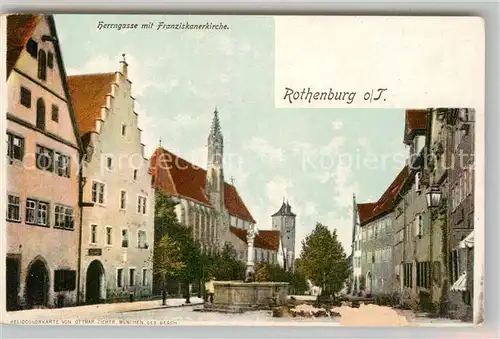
37	284
94	286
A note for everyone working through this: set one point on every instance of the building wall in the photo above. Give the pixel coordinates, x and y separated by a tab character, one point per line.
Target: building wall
461	207
127	155
56	248
376	258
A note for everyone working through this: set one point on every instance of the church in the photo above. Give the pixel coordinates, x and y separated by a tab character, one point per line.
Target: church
210	206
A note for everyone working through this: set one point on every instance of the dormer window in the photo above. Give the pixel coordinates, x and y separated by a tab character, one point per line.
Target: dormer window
32	48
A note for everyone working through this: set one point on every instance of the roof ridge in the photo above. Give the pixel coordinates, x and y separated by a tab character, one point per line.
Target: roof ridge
92	74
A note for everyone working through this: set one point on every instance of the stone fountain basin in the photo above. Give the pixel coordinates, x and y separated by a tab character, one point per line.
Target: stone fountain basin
239	295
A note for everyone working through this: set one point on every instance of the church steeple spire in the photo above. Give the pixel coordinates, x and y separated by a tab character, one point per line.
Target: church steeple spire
215	129
215	175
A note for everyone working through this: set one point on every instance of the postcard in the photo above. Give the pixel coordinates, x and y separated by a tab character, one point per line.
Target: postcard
232	170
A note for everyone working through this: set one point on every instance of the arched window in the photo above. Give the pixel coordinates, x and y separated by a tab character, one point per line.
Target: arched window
40	114
42	65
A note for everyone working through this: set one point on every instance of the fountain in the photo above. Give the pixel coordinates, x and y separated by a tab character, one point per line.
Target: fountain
240	296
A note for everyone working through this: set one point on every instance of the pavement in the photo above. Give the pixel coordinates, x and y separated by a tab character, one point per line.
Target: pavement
99	310
176	312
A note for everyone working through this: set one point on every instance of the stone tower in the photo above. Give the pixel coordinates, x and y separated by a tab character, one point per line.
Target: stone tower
215	174
284	221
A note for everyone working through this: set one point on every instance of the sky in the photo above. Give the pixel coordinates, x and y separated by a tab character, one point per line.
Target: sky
314	158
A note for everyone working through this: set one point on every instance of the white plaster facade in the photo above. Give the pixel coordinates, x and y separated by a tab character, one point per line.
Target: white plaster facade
118	231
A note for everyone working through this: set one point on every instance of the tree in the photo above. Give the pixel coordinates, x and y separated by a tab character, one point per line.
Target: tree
167	259
166	223
323	260
225	265
262	272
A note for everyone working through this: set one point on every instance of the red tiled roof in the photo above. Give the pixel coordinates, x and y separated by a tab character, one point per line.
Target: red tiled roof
265	239
365	211
20	27
416	119
88	94
370	211
178	177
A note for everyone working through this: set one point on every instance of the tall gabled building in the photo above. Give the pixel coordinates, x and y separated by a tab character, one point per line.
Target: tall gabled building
118	230
43	174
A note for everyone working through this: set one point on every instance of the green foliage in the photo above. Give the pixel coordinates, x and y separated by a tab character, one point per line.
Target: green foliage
323	260
225	265
189	250
276	273
261	272
167	259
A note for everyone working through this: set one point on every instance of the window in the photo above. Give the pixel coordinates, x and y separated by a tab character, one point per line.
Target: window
44	158
424	274
25	97
144	276
55	113
141	239
15	147
419	225
123	200
64	217
32	48
119	277
408	275
64	280
141	205
124	238
50	60
42	65
109	163
37	212
135	174
93	234
418	176
109	235
124	129
13	208
131	276
98	192
62	164
40	114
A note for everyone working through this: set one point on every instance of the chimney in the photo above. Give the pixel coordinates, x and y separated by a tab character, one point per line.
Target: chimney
124	68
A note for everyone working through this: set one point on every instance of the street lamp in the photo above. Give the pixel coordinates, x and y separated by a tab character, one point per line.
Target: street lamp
433	197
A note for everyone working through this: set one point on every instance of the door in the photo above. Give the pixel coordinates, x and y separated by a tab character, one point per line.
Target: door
12	283
93	286
37	285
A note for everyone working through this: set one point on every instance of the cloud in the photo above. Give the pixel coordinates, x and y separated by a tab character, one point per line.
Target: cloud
273	155
278	187
333	146
140	76
337	124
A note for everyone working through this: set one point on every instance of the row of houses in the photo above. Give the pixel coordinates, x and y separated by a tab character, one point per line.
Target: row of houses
81	190
416	242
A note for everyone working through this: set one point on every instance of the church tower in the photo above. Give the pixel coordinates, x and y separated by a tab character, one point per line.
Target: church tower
215	175
284	221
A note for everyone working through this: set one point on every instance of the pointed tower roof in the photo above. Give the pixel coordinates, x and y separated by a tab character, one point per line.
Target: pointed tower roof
285	209
215	129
